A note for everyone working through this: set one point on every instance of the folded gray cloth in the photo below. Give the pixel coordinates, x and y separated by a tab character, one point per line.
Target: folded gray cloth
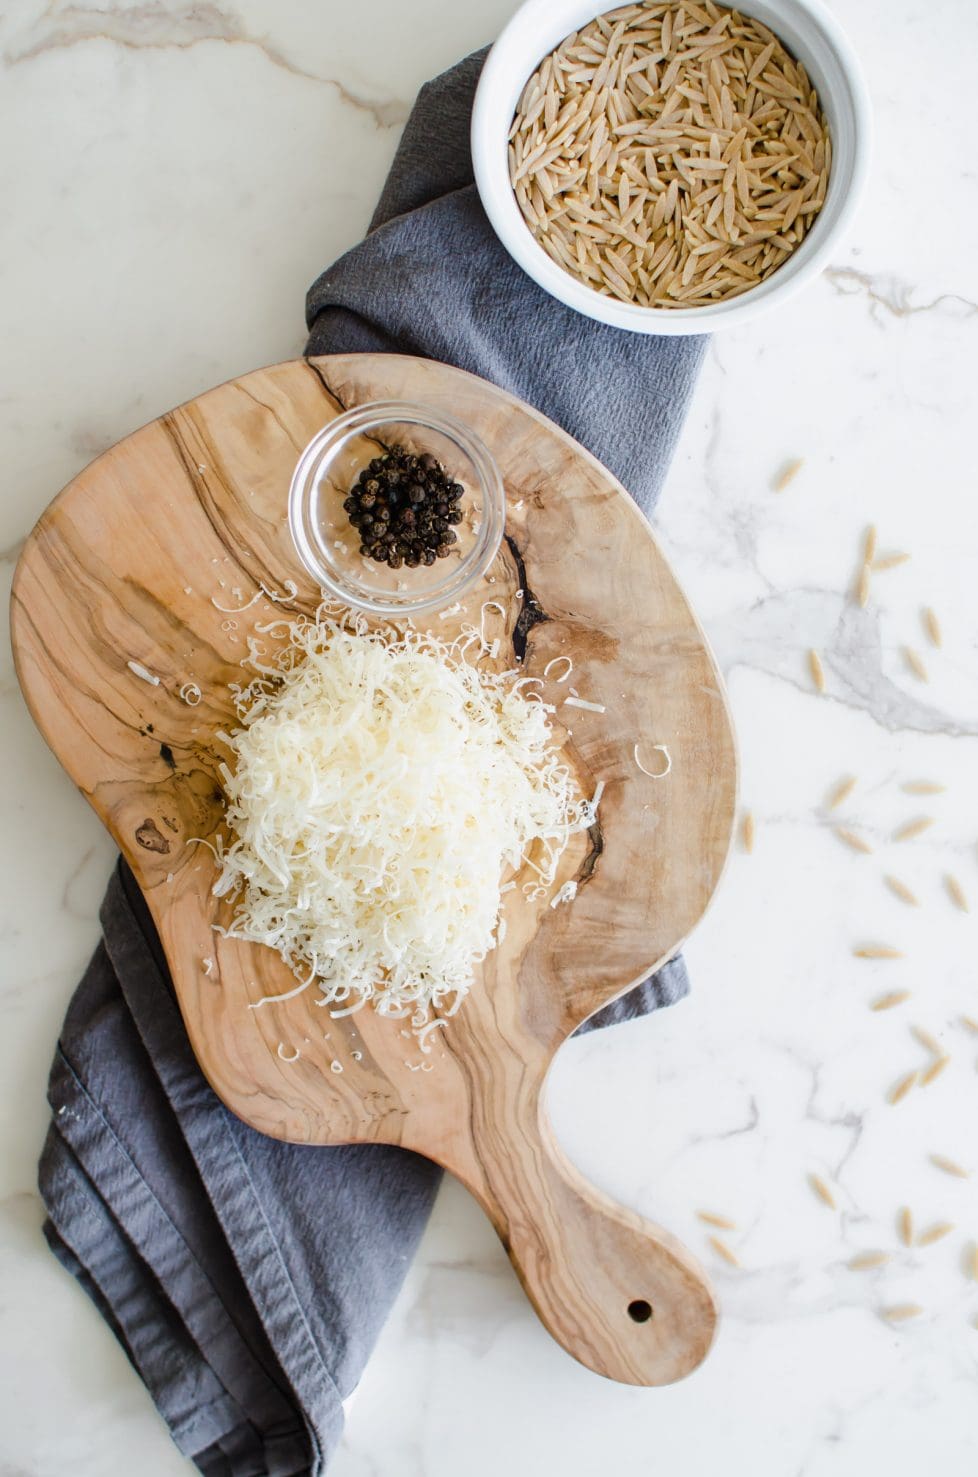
248	1279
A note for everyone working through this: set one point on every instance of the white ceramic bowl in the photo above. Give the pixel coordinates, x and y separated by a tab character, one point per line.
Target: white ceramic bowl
807	30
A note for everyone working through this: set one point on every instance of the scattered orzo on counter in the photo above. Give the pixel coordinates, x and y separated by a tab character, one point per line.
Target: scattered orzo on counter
670	155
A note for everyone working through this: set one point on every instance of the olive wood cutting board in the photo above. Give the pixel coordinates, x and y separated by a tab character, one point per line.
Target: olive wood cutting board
126	565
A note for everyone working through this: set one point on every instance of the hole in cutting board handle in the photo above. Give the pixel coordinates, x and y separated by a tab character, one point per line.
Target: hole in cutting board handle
639	1311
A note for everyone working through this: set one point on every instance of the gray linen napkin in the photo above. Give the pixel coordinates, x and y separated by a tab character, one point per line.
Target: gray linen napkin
248	1279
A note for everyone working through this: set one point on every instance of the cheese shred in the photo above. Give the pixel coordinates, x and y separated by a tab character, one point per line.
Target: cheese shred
143	673
655	774
379	790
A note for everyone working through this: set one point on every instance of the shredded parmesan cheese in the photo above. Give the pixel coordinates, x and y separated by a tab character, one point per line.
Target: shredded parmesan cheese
290	589
580	702
236	609
348	1010
489	605
652	773
553	662
426	1031
190	694
141	672
380	790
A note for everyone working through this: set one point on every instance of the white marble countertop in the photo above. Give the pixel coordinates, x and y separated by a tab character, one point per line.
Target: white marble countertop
173	176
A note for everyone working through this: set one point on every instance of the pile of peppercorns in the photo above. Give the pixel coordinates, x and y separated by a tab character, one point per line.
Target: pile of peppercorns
403	508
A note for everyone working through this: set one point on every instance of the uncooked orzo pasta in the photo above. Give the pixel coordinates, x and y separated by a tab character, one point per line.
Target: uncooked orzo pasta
670	155
841	792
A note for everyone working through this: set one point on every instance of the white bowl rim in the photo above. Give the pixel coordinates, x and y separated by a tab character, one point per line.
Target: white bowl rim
492	179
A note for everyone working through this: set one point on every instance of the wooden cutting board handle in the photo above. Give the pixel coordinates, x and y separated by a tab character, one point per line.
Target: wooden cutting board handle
621	1294
618	1292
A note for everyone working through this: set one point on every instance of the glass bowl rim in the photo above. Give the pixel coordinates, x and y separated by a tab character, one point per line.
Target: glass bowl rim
304	492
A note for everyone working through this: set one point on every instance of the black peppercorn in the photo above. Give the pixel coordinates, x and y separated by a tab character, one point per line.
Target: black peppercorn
402	505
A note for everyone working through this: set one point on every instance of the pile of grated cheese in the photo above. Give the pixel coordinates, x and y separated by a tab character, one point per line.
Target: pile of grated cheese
381	789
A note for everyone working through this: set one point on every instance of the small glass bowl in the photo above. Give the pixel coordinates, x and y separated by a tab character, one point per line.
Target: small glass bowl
329	545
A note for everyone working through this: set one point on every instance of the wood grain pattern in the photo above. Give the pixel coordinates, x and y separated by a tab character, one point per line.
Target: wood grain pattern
124	566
